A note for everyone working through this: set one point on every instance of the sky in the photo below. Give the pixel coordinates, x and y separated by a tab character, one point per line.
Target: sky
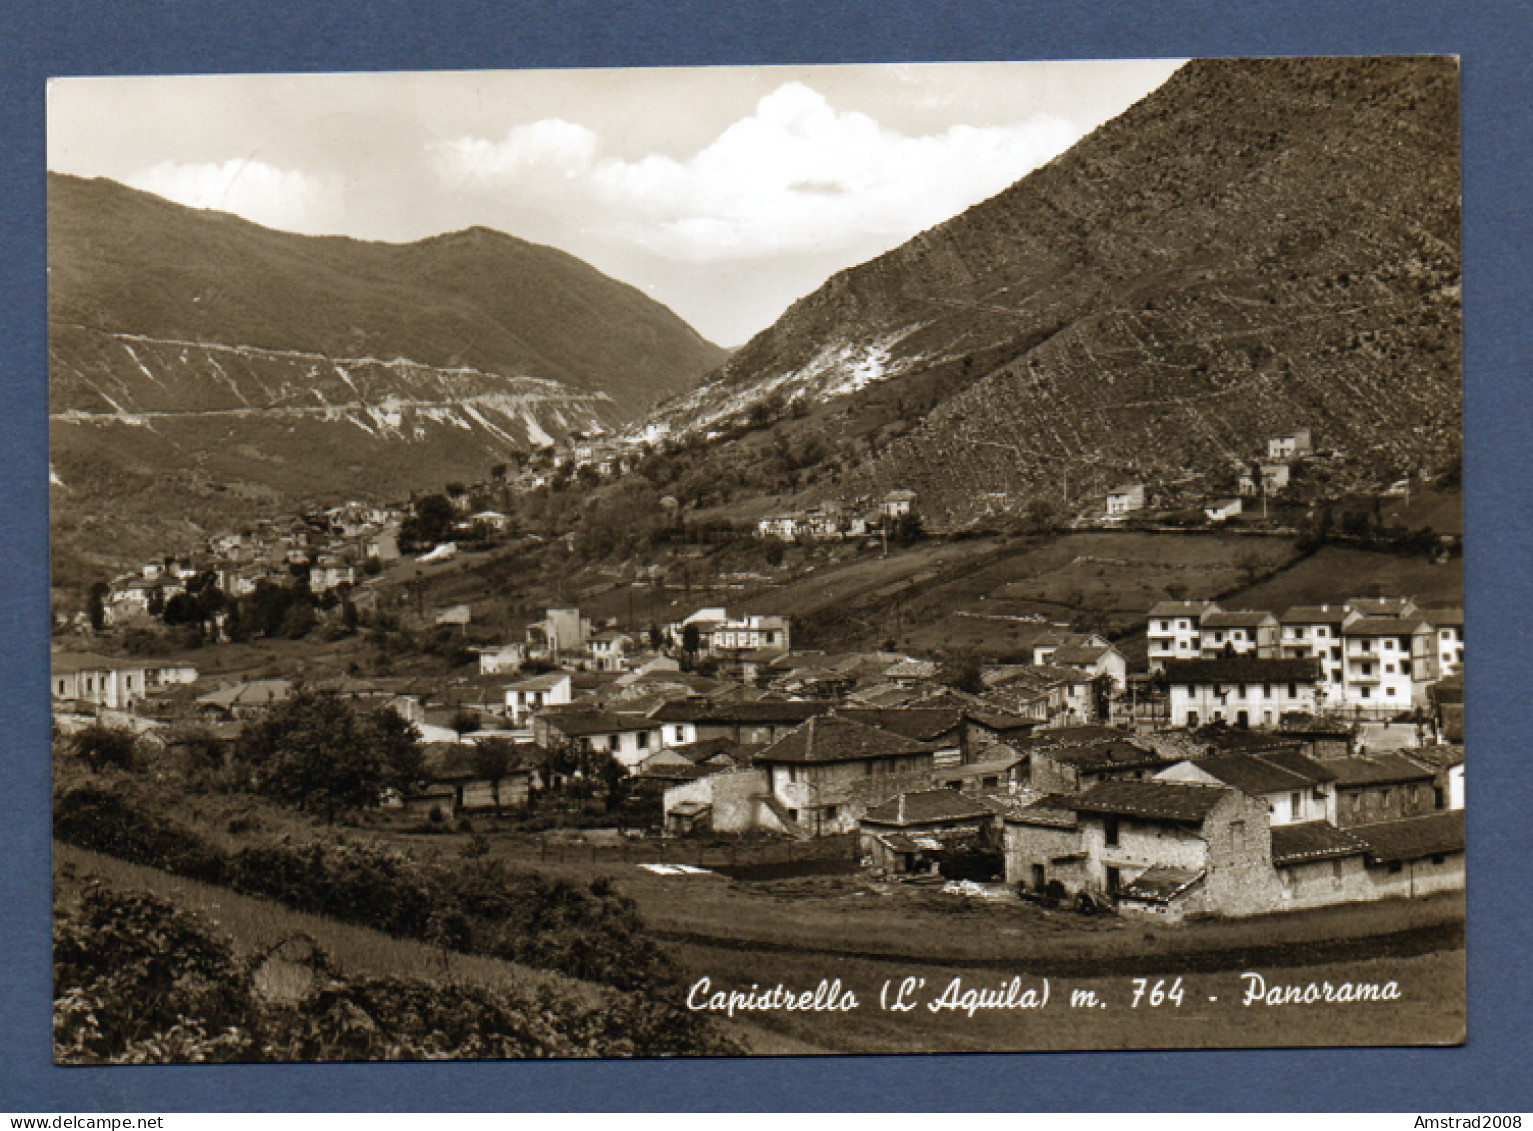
723	192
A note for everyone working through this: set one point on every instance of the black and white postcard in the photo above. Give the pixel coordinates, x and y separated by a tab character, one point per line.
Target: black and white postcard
749	561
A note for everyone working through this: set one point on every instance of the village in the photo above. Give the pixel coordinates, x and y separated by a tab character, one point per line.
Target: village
1255	761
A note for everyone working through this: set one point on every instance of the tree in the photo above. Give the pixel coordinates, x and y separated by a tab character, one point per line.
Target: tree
493	759
691	641
464	721
95	606
322	754
99	746
431	522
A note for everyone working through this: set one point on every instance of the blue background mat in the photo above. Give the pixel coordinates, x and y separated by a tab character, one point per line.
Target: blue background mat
141	37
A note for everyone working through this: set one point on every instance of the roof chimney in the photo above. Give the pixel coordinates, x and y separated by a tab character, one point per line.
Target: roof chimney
900	814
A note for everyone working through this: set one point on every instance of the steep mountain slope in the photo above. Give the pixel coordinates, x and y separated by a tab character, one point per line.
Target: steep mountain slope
1259	244
199	361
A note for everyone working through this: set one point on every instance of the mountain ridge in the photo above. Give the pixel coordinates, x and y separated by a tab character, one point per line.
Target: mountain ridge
1277	238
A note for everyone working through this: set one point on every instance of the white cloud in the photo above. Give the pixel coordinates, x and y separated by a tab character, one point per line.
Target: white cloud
794	176
550	146
287	199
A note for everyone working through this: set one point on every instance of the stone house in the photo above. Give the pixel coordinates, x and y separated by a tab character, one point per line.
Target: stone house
1383	787
909	831
1076	758
1294	788
1156	848
810	770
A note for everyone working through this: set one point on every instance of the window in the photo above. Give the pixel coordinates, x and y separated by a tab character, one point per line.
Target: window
1395	867
1366	692
1438	857
1389	692
643	740
1295	805
1110	834
1238	835
1389	645
1336	868
1293	691
830	812
1389	669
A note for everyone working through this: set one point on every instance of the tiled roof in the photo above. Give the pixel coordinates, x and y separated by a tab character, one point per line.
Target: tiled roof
1160	884
1311	840
743	712
1316	614
1242	669
1413	837
1376	769
833	739
1237	618
1382	626
1067	654
577	723
1171	801
1381	606
1174	745
1252	775
927	807
1296	761
924	724
1181	608
1442	756
539	682
1051	811
1112	754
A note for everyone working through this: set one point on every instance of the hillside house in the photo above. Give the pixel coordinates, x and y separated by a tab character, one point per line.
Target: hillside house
525	697
500	658
897	504
1174	630
1238	632
1222	510
1290	444
612	650
1125	499
1243	690
560	632
330	573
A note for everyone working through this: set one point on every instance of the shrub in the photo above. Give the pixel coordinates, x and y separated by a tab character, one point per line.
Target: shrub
137	981
102	821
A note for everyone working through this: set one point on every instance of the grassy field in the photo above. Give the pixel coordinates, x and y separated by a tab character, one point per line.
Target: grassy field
1335	573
